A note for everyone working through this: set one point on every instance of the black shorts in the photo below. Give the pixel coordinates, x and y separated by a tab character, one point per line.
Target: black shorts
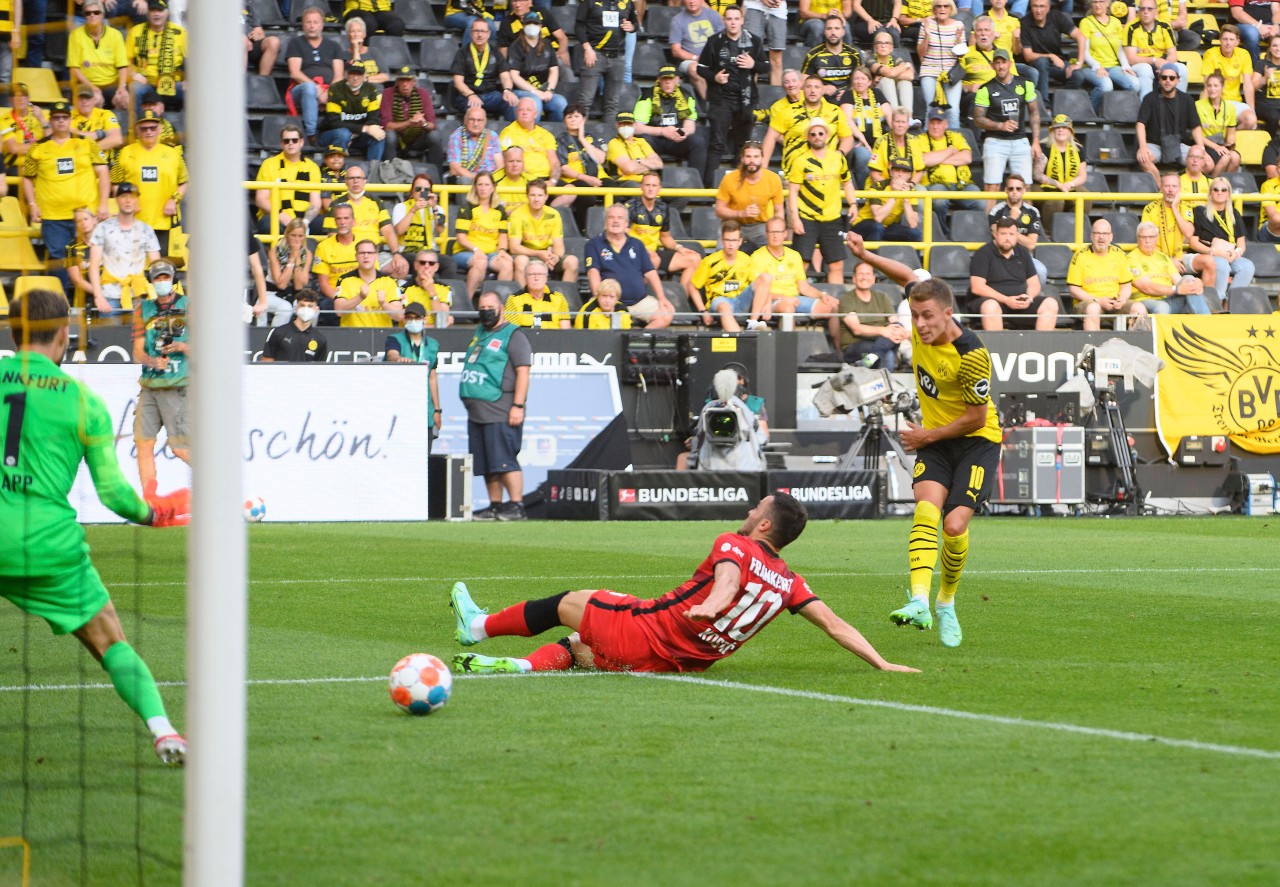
664	258
494	446
966	466
829	236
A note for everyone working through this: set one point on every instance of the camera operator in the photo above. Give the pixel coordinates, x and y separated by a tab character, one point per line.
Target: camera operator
732	428
160	346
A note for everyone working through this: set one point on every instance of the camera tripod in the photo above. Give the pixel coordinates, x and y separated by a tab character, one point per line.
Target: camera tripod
1126	494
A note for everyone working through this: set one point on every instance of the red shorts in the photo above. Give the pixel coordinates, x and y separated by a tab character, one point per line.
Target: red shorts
616	640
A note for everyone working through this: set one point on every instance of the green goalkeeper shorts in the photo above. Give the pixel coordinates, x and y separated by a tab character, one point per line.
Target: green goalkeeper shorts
66	601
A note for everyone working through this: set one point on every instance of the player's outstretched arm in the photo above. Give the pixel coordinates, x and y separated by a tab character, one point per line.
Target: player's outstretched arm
113	487
849	637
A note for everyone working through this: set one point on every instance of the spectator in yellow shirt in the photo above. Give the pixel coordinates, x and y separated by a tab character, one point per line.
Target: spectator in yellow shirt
1100	280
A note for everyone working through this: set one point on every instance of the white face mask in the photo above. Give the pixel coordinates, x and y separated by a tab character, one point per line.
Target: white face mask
626	131
306	315
163	287
532	31
414	326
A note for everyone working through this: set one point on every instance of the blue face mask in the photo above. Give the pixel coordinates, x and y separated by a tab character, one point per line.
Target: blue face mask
163	287
413	326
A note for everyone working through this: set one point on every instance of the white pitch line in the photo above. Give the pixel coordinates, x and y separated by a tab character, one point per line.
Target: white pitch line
596	577
1099	732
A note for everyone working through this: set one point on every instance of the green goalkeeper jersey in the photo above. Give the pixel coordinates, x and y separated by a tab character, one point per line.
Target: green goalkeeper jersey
49	422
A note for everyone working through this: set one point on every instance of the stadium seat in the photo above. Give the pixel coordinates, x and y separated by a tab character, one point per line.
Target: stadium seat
24	284
1124	227
657	21
268	13
1249	300
704	224
271	127
595	220
1056	258
1120	106
681	177
261	94
1242	183
676	295
569	291
1063	228
417	17
970	226
793	56
41	84
649	57
1251	143
573	246
503	288
1096	183
1120	154
1266	263
627	98
950	262
570	223
13	218
392	52
435	54
1136	183
769	94
17	254
899	252
1076	105
1191	58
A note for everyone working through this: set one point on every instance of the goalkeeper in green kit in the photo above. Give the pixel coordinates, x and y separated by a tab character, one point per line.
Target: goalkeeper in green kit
49	422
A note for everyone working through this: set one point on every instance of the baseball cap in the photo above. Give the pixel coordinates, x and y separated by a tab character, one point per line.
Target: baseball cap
815	122
1060	121
335	149
157	4
1001	54
59	107
532	18
126	188
405	73
901	164
147	117
21	89
84	92
937	114
625	117
667	71
160	267
415	309
1170	68
355	66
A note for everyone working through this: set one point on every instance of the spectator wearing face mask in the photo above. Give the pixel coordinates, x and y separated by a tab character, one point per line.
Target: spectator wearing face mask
299	341
410	345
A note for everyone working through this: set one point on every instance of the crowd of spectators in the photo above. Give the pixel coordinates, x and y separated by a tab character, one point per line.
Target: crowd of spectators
784	111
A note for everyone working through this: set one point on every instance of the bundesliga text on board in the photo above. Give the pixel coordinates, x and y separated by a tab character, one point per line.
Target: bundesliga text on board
648	495
842	493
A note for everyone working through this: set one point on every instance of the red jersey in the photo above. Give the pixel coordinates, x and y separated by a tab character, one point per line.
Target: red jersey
765	586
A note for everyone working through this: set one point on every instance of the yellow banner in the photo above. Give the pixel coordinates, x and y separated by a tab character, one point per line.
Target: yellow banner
1221	376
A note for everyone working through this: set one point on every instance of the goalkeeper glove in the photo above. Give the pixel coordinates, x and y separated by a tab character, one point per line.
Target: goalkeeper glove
173	510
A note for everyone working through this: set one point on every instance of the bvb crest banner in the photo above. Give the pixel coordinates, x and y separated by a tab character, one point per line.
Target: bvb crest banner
1221	376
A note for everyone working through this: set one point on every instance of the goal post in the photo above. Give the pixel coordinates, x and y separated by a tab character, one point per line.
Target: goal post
216	564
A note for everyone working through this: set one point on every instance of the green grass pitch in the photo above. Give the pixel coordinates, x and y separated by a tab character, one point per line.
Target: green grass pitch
787	770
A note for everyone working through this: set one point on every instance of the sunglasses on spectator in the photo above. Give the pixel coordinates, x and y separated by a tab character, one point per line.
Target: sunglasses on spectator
426	262
1169	77
1219	188
291	141
89	12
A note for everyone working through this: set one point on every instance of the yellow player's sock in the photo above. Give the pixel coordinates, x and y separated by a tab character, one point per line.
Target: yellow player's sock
955	549
922	548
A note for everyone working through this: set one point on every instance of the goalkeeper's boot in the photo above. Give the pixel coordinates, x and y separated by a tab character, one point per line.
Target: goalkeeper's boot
474	663
916	613
949	626
171	750
465	610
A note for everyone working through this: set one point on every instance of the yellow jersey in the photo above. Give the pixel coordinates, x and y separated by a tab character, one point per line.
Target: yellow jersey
1007	28
334	259
439	293
551	310
65	176
1269	187
373	315
156	174
1101	276
796	139
540	233
99	60
821	181
592	318
280	169
1157	267
482	226
157	55
370	216
716	277
636	149
787	271
1171	242
1233	69
512	193
536	143
952	377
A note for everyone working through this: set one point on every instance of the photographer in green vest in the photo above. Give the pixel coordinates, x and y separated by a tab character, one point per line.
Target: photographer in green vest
495	385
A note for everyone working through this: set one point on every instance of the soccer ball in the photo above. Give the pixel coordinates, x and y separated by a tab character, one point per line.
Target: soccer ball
420	684
254	509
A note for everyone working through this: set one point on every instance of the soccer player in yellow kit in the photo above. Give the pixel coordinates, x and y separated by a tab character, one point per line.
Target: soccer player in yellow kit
957	452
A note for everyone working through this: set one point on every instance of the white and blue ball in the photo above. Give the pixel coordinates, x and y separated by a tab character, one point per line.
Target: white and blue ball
254	510
420	684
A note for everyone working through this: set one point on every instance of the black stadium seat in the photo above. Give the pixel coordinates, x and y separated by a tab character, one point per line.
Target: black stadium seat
950	262
649	57
1076	105
970	226
261	94
392	52
435	54
1120	106
1136	182
1119	151
1124	227
418	17
1249	300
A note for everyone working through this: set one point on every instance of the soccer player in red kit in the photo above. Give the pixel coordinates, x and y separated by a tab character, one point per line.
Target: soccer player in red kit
736	591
